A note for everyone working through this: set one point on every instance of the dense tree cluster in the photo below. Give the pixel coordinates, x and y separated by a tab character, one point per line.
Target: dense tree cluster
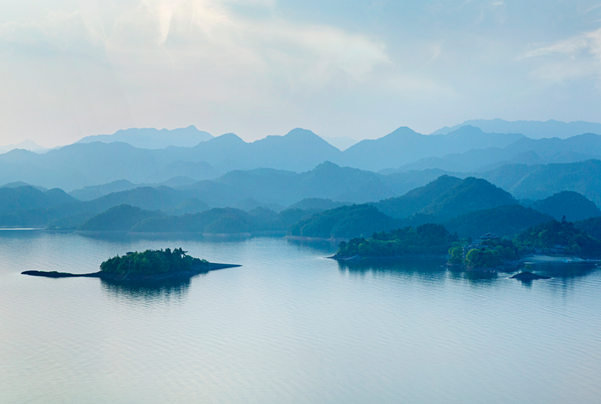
428	239
591	226
559	237
151	262
490	253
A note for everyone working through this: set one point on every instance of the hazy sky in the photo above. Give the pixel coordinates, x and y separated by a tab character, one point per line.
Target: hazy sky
72	68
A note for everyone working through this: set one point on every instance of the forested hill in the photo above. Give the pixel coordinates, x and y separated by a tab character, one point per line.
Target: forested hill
446	197
469	207
568	205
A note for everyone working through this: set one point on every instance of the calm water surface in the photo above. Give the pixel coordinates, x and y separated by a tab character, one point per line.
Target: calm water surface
289	327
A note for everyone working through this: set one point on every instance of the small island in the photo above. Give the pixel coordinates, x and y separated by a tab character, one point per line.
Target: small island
150	265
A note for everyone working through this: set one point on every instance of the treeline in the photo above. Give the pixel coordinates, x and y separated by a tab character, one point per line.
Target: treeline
427	239
491	251
151	262
125	218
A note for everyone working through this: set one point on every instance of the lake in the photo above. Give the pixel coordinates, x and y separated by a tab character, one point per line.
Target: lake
289	326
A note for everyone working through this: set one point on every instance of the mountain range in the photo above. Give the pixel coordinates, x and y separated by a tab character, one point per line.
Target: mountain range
152	156
469	207
531	129
25	145
524	151
543	180
151	138
87	164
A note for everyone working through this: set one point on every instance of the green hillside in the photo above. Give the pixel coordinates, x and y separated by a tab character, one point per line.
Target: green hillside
118	218
416	200
17	199
590	226
343	222
317	204
219	220
506	220
444	198
192	205
569	204
469	195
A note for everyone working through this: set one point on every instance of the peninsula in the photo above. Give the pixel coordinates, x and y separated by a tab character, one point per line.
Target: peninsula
150	265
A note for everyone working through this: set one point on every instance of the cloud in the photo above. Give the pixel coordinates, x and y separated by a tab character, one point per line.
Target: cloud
168	63
205	30
574	57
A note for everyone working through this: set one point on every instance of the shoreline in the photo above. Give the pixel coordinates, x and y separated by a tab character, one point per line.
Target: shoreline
322	239
388	257
266	233
134	278
508	266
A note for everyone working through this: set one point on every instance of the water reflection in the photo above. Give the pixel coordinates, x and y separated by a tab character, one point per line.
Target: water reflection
563	270
480	277
427	269
159	290
322	246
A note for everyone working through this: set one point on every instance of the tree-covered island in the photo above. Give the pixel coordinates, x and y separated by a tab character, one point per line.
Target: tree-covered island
488	252
149	265
152	262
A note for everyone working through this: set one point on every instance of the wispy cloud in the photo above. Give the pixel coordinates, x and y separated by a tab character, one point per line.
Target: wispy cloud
205	29
577	56
588	10
164	58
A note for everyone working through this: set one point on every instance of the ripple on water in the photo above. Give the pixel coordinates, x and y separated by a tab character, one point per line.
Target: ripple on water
289	327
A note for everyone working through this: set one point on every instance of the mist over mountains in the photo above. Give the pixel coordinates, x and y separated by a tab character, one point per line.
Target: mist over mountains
466	150
467	179
531	129
151	138
24	145
524	151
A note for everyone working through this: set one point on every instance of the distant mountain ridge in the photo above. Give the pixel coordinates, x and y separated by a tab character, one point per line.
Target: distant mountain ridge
151	138
468	150
542	181
88	164
524	151
406	145
531	129
25	145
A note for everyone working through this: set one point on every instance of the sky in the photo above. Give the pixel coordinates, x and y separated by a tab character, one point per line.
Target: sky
356	68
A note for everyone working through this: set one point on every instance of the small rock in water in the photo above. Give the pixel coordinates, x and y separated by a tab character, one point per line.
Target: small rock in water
528	276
